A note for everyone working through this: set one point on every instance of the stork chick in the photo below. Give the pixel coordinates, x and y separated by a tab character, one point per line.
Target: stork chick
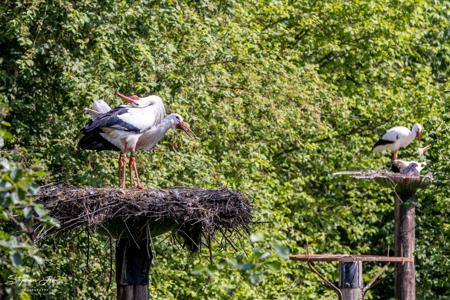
407	167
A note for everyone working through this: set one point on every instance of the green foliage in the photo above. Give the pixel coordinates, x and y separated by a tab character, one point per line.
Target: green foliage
281	94
18	215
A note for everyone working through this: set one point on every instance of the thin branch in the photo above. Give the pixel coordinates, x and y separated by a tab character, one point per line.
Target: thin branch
220	62
374	279
227	86
131	234
299	36
325	58
110	264
87	255
326	281
276	22
229	242
210	249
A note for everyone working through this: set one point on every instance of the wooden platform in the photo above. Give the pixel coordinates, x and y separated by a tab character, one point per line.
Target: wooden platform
403	184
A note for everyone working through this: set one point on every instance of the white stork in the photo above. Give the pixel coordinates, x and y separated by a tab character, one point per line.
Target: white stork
398	137
122	128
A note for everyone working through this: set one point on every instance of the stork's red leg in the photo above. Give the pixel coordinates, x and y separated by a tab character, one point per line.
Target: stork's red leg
395	154
124	166
134	165
130	168
120	169
139	185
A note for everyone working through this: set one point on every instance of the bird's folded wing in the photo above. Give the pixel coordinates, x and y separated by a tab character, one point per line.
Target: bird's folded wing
110	119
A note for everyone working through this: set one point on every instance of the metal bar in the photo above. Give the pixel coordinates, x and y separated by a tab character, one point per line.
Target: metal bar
350	258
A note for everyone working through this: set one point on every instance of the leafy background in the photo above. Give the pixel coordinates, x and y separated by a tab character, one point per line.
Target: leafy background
281	94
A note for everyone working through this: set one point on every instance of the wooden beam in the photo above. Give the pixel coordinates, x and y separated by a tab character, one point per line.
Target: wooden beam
349	258
351	285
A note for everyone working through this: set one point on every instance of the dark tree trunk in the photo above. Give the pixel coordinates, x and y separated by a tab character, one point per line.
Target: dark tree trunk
133	259
405	226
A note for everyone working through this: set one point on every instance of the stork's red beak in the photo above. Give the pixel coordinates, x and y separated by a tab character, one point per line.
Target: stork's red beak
128	99
419	135
187	129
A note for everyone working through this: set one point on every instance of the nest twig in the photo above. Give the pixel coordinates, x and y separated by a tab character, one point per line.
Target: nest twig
190	212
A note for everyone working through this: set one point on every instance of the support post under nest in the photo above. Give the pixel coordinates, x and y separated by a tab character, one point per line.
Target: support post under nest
405	188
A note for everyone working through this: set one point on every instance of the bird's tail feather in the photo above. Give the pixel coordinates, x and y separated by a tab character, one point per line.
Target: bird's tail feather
98	107
378	145
376	149
94	141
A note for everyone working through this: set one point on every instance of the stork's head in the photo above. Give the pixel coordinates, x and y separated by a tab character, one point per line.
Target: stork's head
413	164
177	122
417	129
138	102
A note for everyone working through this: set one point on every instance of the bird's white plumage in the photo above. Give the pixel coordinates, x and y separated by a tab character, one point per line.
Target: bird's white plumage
152	136
119	137
396	138
149	112
147	101
140	125
98	107
143	118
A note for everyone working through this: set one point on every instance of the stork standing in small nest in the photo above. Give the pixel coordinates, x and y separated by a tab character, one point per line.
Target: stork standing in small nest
399	137
140	125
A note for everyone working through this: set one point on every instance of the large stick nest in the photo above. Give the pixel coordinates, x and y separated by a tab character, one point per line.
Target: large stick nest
145	213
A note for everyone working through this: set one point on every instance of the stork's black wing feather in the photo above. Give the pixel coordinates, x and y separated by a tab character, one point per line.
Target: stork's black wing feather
94	141
109	119
382	142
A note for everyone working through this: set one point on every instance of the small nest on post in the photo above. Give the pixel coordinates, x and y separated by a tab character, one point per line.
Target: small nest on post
403	184
146	213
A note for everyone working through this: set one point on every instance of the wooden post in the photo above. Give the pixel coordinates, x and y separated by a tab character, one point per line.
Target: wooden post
133	260
350	280
405	226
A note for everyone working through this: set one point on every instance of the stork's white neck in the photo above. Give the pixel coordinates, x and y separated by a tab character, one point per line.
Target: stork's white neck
412	135
161	129
415	131
151	137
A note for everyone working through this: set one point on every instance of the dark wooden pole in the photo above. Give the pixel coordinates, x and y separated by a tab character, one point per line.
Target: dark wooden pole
133	259
350	280
405	226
